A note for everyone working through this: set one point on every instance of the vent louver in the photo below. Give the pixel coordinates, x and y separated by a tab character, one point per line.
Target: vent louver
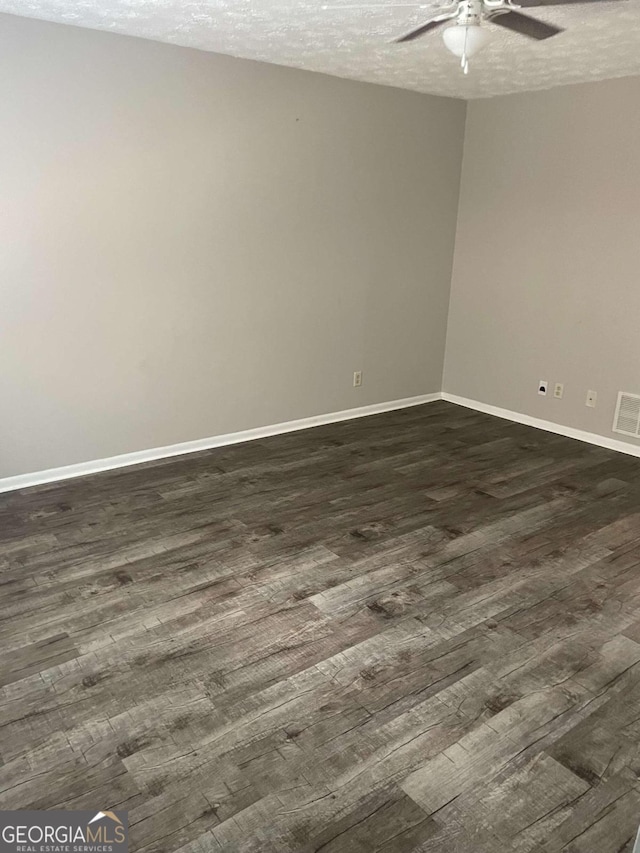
627	416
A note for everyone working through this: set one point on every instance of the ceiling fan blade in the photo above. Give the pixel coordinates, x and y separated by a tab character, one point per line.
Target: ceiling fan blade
530	4
526	26
426	28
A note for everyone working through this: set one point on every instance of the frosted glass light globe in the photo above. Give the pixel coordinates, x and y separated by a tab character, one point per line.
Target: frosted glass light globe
476	38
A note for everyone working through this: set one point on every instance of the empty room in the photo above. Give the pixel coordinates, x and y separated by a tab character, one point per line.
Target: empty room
319	426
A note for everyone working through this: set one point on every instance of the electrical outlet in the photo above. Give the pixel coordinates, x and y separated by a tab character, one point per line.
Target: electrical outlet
592	397
558	390
357	378
543	387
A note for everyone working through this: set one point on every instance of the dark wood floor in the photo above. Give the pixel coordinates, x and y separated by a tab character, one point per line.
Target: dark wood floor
419	631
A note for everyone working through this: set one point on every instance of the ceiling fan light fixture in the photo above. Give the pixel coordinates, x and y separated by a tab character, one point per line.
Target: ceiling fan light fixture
465	40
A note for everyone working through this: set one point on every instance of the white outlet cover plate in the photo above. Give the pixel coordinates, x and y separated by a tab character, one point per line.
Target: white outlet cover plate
543	387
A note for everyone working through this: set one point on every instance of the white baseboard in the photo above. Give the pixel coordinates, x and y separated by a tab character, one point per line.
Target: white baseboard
548	426
81	469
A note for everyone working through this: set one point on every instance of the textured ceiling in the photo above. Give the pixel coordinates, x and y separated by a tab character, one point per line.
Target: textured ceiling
601	41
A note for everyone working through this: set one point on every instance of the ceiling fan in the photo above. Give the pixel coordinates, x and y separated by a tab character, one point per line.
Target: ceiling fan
469	33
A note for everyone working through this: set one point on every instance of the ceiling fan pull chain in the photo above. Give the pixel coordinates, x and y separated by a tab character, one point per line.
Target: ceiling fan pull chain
465	62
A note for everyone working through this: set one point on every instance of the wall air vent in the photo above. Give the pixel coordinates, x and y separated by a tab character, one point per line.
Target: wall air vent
627	417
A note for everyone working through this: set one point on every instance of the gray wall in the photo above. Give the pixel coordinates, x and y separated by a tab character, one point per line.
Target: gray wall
193	245
547	262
